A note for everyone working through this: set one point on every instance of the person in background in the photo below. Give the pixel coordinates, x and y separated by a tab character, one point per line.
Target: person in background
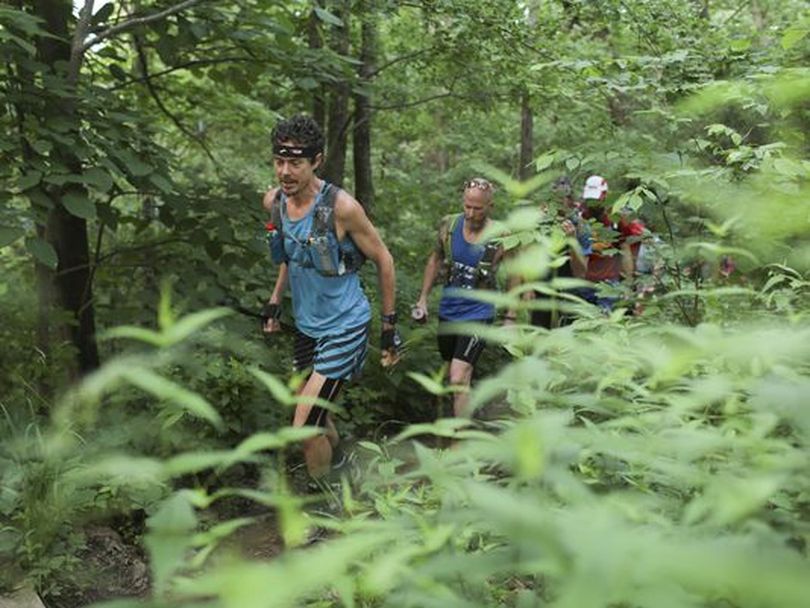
565	214
468	263
615	243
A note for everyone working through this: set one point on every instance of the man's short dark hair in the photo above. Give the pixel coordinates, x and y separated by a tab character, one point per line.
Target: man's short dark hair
300	129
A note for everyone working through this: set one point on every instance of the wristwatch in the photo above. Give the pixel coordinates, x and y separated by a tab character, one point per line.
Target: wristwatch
390	319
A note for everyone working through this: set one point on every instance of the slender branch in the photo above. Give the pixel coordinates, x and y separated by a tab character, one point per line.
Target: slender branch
136	21
92	269
184	66
409	104
76	48
153	92
395	60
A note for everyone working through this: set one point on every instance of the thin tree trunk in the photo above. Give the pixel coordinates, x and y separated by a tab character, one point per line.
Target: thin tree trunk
72	288
337	120
363	176
316	42
525	168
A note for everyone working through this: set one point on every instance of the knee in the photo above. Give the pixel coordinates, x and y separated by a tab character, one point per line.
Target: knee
460	375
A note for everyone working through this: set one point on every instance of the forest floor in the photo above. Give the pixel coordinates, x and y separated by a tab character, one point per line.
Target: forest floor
114	564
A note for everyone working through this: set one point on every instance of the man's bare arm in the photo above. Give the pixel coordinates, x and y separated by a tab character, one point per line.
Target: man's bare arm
349	214
276	296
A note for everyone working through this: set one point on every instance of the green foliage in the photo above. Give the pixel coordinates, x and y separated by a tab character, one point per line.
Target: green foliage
650	460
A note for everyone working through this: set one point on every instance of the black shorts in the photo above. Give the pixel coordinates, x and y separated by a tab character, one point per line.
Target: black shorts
464	347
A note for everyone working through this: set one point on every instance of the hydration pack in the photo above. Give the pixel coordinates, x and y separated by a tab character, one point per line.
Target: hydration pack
484	271
321	250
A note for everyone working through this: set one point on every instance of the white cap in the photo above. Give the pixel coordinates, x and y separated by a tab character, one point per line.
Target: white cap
596	187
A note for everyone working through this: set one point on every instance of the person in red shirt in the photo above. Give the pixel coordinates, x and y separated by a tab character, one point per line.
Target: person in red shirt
614	244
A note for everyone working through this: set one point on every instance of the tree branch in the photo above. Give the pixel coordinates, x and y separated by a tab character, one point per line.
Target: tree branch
151	88
136	21
184	66
76	45
409	104
395	60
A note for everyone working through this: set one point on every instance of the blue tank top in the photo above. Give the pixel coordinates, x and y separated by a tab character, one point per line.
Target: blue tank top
322	306
465	257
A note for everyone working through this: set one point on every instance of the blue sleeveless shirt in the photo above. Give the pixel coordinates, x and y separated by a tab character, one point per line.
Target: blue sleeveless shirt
465	257
322	305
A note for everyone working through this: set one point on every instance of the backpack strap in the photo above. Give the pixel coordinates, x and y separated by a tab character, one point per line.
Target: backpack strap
323	222
276	218
446	229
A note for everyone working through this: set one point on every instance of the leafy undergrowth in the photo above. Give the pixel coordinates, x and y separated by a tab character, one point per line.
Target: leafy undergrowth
635	466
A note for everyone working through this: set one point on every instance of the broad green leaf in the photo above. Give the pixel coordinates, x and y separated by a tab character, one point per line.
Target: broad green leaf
43	251
98	178
29	179
163	184
9	235
79	205
794	35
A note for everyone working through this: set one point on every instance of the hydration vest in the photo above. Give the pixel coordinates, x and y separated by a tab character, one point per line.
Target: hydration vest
485	268
324	252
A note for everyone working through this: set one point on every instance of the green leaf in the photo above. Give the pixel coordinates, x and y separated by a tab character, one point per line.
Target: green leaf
794	35
327	17
102	14
43	251
742	44
429	384
79	205
133	333
118	72
277	388
136	166
28	180
9	235
163	184
193	323
168	539
307	83
98	178
164	388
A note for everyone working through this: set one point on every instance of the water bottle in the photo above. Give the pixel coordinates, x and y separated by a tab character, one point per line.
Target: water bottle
418	314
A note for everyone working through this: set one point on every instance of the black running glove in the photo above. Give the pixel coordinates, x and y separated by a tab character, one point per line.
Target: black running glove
270	311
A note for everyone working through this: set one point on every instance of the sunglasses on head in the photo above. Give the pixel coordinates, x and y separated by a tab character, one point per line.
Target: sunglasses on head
479	183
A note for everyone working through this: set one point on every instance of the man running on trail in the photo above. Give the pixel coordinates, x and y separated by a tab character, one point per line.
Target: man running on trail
319	237
614	243
468	263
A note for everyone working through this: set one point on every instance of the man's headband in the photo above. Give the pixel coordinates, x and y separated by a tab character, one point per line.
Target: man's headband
295	151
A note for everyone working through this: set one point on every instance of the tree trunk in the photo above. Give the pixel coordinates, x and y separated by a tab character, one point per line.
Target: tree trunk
316	42
72	287
337	120
363	176
525	168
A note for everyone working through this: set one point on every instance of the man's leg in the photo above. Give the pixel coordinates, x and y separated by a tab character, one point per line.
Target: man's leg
318	450
461	376
467	351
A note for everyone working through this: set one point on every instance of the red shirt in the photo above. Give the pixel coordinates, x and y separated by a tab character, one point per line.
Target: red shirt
605	263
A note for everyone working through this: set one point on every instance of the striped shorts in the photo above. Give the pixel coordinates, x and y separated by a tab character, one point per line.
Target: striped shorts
340	356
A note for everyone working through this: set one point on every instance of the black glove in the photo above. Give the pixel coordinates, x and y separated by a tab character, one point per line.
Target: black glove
391	340
270	311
